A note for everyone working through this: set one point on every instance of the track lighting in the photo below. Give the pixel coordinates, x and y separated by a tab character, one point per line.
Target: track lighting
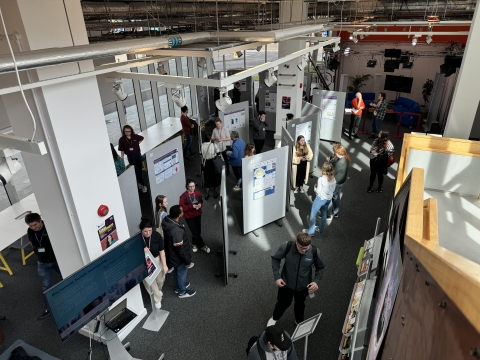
118	90
270	79
224	100
355	40
201	62
336	47
178	96
414	40
239	53
161	69
428	40
351	36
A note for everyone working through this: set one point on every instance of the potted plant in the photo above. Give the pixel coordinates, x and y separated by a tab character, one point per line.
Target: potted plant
427	91
357	82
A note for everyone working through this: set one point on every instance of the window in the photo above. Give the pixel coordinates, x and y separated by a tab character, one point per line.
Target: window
147	98
113	123
130	106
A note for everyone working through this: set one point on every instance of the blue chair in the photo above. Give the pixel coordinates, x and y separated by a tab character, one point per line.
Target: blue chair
407	105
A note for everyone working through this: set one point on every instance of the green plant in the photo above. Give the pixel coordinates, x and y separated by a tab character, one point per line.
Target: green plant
427	91
357	82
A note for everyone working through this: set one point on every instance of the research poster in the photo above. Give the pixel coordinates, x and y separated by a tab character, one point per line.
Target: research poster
270	101
234	120
107	232
329	105
264	178
304	129
166	166
286	100
243	85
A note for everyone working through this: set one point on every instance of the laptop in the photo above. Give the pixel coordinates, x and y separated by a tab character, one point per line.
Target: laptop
118	317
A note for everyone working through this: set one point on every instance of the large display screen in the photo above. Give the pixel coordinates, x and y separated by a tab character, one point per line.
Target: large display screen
398	83
82	296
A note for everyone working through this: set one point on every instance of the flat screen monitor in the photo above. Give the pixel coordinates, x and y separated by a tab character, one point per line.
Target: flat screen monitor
398	83
393	53
82	296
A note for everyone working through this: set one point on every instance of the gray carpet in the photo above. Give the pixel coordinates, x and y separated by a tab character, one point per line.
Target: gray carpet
218	321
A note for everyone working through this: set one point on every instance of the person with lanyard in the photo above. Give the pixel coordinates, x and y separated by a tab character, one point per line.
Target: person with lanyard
378	115
46	260
259	131
153	242
129	144
221	137
191	202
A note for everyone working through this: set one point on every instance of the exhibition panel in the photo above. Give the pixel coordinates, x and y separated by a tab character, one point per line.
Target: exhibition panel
288	142
131	201
332	104
236	117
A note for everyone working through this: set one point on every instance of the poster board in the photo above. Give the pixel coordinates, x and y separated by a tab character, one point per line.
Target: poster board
264	185
239	114
288	142
166	171
332	104
223	205
268	95
153	269
131	203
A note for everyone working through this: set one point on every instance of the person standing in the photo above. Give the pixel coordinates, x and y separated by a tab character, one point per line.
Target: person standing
221	137
378	114
382	148
302	155
191	202
324	190
236	93
249	150
357	107
235	158
177	248
118	161
216	96
296	280
161	204
46	260
275	342
212	179
340	161
129	144
153	242
259	125
187	127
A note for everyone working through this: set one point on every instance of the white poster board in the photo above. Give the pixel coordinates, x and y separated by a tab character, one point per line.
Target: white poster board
166	166
332	104
304	129
234	120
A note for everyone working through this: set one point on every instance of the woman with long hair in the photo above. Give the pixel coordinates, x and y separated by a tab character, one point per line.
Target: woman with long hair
249	150
118	161
302	155
211	178
129	144
324	190
382	148
161	203
340	161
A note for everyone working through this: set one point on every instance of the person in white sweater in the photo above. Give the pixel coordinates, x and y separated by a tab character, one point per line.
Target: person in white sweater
324	189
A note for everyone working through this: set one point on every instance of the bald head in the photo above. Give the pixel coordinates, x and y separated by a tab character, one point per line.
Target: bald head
358	96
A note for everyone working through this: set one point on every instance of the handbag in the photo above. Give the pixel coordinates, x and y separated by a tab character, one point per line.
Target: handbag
391	159
217	161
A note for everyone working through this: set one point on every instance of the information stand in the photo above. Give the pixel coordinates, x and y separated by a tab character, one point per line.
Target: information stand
304	329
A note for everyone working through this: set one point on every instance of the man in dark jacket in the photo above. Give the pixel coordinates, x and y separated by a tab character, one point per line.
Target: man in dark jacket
275	343
259	125
295	280
177	251
236	93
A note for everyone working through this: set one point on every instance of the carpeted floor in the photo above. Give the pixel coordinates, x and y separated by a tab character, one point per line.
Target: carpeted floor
219	320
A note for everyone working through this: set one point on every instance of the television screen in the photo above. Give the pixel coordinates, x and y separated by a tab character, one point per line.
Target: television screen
391	64
393	53
398	83
82	296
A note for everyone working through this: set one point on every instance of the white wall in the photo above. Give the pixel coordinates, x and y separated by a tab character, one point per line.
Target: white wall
423	67
4	122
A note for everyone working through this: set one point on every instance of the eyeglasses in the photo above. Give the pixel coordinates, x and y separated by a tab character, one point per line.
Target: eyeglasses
191	186
302	248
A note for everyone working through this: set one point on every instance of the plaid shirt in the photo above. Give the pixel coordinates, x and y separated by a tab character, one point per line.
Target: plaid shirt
381	109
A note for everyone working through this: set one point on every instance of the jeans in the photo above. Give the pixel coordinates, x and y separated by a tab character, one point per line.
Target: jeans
195	226
376	125
354	124
45	272
322	206
334	206
188	145
258	145
180	279
136	161
284	299
237	171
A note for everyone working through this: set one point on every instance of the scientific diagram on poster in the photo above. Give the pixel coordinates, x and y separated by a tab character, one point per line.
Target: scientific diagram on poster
234	120
329	106
304	129
270	101
264	178
166	166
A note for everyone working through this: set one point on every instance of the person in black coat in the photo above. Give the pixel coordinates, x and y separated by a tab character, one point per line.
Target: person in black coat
237	93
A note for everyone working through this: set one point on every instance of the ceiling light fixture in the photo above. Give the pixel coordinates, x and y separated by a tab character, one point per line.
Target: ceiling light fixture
201	62
385	28
178	96
336	47
224	101
355	40
270	79
371	63
161	69
428	40
362	37
351	36
118	90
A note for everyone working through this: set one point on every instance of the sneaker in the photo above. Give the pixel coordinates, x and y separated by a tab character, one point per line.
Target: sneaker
369	189
194	248
237	188
379	190
144	189
296	191
206	249
335	215
170	270
158	305
302	191
45	314
187	294
186	287
355	136
271	322
330	217
140	186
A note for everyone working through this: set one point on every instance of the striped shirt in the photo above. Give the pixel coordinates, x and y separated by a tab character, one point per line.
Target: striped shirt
388	147
381	109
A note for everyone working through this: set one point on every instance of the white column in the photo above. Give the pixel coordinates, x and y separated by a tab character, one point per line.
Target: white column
77	175
466	96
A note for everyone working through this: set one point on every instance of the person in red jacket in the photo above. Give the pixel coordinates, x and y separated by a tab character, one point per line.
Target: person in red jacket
357	106
187	128
191	202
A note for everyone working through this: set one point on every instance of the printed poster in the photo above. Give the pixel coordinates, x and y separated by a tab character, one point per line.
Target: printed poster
270	101
304	129
264	178
166	166
329	105
153	269
107	232
286	100
234	120
243	85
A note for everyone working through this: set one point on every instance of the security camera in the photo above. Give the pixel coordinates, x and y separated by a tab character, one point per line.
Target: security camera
8	168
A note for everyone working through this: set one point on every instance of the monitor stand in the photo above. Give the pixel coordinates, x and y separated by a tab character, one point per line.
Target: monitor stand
116	350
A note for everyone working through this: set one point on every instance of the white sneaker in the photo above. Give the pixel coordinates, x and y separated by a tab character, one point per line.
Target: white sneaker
158	305
295	191
144	189
206	249
140	186
192	264
301	190
271	322
194	248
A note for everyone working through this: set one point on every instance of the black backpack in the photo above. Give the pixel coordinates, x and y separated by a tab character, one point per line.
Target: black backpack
314	248
251	342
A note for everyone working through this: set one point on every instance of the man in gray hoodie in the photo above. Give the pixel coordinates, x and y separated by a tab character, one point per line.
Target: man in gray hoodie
273	344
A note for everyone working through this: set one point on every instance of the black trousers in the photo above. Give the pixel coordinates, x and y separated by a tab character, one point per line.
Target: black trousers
284	299
258	145
225	159
374	172
195	226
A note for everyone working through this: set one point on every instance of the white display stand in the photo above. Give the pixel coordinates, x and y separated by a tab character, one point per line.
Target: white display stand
131	201
304	329
332	104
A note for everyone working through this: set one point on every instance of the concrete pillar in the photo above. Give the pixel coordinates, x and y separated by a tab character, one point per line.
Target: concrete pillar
466	96
77	175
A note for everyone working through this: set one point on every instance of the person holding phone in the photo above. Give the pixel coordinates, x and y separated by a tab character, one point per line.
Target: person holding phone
129	144
302	155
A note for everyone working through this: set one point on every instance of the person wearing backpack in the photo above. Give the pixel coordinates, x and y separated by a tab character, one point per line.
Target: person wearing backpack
272	344
295	279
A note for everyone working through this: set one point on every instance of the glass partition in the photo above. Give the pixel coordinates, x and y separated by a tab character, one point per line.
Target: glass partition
130	106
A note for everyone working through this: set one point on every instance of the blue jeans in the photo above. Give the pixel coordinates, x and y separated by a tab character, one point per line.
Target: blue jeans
334	206
45	272
180	279
136	161
188	145
376	125
322	206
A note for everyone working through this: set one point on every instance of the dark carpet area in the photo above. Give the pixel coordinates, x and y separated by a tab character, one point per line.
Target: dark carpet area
219	320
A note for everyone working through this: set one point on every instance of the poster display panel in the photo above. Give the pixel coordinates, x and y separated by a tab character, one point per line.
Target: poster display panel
166	166
288	142
264	174
234	120
270	101
107	232
153	270
238	114
304	129
332	104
